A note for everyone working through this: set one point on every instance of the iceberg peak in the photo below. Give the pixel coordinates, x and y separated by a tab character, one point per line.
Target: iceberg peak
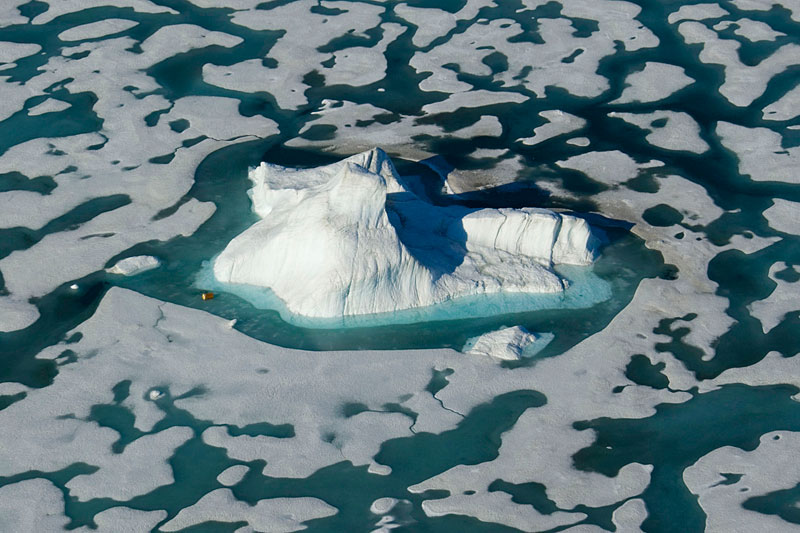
350	239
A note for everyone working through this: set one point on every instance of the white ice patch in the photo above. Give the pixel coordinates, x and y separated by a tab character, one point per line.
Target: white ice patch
278	515
508	344
768	468
766	5
51	105
472	99
760	152
93	30
233	475
11	52
785	108
655	82
57	8
296	51
697	12
609	168
784	216
752	30
332	242
16	314
783	298
358	66
562	59
431	23
32	505
743	83
122	475
679	132
131	266
124	520
558	123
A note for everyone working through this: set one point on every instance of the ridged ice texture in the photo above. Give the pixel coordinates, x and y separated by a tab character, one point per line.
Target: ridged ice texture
350	238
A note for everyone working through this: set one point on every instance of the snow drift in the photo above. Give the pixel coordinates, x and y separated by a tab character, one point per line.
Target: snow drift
351	238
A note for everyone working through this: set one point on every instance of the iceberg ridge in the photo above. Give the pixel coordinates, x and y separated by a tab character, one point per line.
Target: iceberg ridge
351	238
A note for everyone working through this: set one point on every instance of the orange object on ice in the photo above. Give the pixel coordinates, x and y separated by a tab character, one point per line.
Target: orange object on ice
207	296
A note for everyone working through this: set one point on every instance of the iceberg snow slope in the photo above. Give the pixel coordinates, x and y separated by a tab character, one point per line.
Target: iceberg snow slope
352	238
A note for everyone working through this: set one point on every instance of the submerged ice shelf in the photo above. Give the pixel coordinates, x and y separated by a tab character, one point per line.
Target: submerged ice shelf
352	238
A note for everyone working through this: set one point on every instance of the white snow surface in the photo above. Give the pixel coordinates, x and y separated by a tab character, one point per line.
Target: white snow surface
351	239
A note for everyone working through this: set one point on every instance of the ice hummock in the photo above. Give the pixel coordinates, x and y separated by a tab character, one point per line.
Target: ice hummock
351	239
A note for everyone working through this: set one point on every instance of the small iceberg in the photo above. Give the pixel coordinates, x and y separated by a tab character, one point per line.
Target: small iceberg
131	266
509	344
351	238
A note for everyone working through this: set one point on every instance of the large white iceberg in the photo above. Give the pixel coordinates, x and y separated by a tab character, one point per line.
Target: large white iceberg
351	239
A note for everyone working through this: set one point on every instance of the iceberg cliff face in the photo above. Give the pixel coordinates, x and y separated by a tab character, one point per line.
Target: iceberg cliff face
350	239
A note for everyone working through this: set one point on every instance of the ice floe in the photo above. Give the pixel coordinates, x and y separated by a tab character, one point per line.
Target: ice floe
94	30
752	30
656	81
51	105
671	130
744	83
608	167
279	515
232	475
697	12
727	477
784	215
558	123
32	505
760	152
786	107
334	241
783	299
16	314
58	8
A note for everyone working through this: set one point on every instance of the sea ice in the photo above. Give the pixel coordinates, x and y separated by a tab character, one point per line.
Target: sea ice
51	105
784	216
752	30
785	108
656	81
744	83
679	130
32	505
124	520
697	12
16	314
93	30
768	468
233	475
351	239
609	168
761	154
558	123
131	266
277	515
10	51
783	299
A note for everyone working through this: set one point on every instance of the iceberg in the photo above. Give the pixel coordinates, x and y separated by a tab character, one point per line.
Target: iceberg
352	238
